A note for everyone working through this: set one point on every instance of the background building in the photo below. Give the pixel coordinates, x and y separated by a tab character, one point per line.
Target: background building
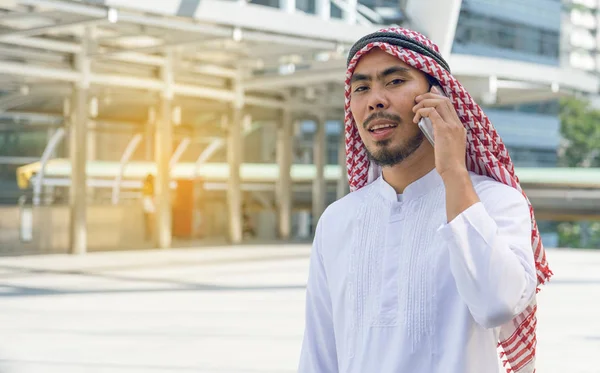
228	68
524	33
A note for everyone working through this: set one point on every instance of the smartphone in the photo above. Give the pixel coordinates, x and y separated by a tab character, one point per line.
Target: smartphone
425	123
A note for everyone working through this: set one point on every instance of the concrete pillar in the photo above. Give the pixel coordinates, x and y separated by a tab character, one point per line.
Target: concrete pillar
234	183
149	129
234	159
304	224
78	153
342	184
162	152
92	152
323	8
48	191
92	141
93	107
319	158
349	14
268	143
92	136
288	6
284	182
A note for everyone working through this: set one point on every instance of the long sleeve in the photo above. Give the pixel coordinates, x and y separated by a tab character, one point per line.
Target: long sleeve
318	348
491	257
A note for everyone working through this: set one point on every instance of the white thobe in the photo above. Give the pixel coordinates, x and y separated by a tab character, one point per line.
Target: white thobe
395	288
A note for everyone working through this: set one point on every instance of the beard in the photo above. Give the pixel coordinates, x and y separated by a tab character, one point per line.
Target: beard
384	154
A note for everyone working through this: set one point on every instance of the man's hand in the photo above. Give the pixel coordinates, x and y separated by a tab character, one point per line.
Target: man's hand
450	150
450	134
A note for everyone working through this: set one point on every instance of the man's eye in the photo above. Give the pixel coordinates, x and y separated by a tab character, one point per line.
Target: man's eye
360	89
396	82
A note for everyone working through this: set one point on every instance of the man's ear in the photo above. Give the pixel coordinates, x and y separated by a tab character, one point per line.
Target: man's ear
431	80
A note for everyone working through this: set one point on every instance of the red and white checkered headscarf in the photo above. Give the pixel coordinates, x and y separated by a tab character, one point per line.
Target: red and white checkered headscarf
486	155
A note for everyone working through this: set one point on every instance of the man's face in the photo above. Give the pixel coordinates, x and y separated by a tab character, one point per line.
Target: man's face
383	92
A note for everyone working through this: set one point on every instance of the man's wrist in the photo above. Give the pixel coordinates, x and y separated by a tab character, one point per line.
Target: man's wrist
460	194
454	175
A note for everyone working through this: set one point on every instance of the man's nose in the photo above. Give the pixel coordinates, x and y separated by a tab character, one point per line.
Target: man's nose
378	101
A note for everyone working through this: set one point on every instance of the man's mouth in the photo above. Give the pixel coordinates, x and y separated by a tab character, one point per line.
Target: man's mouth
382	131
382	127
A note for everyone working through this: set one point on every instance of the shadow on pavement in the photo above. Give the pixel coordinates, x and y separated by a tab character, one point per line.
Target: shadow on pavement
25	291
573	281
146	368
21	271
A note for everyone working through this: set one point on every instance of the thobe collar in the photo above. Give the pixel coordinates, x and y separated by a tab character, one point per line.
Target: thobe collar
416	189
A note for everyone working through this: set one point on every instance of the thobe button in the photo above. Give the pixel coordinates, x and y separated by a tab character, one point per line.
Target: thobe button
397	213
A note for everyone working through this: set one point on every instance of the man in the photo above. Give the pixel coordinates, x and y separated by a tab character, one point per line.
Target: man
431	264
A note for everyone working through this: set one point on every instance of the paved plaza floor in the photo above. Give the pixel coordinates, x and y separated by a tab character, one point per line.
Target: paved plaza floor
220	310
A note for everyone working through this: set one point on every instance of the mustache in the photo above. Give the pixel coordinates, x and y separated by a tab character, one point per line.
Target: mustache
381	115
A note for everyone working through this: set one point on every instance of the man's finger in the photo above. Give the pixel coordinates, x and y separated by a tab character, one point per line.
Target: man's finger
428	112
436	119
422	112
428	95
430	102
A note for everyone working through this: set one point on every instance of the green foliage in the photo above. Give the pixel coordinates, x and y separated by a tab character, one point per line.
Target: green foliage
580	7
583	235
580	127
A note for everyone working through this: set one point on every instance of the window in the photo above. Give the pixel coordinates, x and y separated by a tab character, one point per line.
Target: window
491	32
545	107
523	157
307	6
271	3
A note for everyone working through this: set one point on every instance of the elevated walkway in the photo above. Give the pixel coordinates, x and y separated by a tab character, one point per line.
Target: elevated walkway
556	193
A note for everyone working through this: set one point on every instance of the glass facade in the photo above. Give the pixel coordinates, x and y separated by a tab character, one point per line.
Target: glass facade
551	107
521	31
485	35
528	157
532	137
514	31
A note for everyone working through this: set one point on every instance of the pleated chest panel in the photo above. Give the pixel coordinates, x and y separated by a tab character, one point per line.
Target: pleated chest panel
391	280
